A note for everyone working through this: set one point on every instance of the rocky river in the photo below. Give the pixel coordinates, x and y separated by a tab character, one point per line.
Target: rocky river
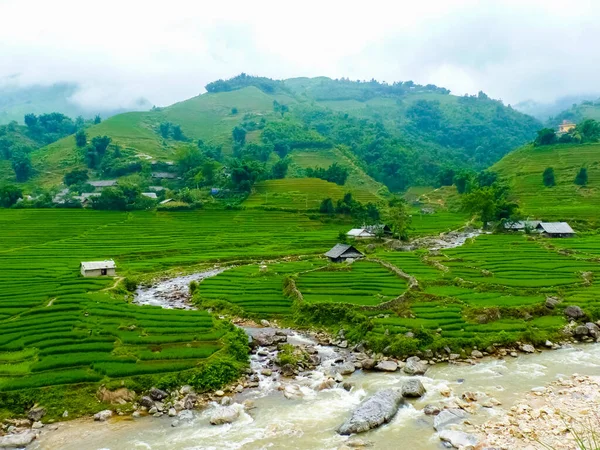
306	411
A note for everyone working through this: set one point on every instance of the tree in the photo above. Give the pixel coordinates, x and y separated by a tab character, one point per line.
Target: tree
188	158
491	203
164	129
462	181
80	139
327	206
280	107
9	194
582	177
279	169
21	164
31	120
234	111
486	178
398	218
177	133
239	135
76	176
100	144
545	136
97	119
281	148
446	177
548	177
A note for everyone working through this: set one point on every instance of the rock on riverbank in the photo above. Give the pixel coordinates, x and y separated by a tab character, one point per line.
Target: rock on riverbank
549	417
373	412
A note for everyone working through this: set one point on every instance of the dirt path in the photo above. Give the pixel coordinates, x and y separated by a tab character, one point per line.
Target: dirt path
114	285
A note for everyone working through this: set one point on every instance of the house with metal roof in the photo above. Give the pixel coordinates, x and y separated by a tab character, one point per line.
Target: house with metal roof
151	195
101	184
164	175
360	233
522	225
342	253
380	228
105	268
555	229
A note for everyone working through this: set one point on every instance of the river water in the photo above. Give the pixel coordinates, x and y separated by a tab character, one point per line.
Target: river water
309	419
296	413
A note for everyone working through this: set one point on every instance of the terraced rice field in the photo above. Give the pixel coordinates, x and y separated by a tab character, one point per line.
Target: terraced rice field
523	168
302	193
57	328
514	261
362	283
254	290
412	264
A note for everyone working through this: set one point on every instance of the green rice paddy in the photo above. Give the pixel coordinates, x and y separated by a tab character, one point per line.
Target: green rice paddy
59	328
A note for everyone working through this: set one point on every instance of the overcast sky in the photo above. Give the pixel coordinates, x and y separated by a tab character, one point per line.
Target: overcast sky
167	51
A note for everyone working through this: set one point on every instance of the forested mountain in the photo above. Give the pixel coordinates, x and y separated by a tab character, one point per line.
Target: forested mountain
16	102
577	113
401	134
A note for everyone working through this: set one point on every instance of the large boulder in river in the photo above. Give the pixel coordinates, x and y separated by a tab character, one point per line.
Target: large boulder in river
20	440
413	388
414	366
376	410
227	414
387	366
448	417
458	439
368	364
574	312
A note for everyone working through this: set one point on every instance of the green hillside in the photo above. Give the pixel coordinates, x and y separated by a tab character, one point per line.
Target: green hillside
524	167
398	135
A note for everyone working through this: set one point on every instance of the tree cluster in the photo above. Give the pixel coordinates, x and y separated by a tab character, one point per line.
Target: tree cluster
584	132
170	130
334	173
125	197
489	199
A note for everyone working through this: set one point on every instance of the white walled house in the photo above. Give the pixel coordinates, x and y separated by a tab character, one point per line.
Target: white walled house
99	268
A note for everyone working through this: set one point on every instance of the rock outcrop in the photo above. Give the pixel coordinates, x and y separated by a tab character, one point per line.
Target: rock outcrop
376	410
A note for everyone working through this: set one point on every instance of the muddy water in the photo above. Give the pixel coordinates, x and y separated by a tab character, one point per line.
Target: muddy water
308	420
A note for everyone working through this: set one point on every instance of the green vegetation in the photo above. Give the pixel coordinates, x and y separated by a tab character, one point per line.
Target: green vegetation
362	283
524	170
400	135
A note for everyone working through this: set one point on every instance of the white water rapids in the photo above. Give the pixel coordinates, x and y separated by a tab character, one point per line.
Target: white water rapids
309	419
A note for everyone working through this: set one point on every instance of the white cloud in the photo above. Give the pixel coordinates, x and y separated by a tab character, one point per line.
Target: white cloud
167	51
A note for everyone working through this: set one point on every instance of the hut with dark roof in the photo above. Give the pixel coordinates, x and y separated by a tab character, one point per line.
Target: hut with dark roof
343	252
